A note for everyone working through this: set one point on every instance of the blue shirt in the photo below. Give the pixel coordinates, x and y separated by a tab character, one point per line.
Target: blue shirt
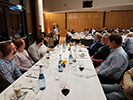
115	64
8	68
128	44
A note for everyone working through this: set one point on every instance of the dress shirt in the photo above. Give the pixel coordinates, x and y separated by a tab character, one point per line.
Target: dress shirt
8	68
85	32
69	34
115	64
44	48
23	61
35	51
128	44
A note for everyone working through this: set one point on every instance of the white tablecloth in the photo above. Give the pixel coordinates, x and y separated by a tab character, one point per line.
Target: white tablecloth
81	88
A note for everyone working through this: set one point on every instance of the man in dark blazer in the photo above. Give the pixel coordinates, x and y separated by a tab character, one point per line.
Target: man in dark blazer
96	45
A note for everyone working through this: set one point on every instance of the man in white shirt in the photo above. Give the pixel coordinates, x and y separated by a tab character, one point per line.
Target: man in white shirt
35	49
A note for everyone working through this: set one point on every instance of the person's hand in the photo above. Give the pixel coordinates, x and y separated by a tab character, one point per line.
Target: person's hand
42	55
91	57
86	47
97	68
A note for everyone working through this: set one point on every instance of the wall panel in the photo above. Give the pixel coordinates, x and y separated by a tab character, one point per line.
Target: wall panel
58	18
85	20
119	19
80	20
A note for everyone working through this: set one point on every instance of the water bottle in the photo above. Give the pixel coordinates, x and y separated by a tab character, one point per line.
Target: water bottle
64	47
60	64
70	57
41	80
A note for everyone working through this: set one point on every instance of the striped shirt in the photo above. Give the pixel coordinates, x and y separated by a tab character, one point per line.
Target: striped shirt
8	68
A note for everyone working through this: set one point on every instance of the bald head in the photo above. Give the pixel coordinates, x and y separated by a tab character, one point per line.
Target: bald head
20	44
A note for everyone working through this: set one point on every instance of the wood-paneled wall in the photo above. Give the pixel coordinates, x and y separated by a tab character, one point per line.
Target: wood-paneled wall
79	21
58	18
119	19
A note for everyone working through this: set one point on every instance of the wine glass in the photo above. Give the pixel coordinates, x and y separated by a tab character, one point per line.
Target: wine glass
29	75
75	49
81	67
65	90
64	61
74	64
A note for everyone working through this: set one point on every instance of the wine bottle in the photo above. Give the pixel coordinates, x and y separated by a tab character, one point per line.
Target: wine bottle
41	80
60	64
70	57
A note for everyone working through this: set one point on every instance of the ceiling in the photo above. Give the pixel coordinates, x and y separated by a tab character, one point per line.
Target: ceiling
57	6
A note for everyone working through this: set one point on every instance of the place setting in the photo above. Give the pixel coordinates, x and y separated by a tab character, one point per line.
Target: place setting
15	93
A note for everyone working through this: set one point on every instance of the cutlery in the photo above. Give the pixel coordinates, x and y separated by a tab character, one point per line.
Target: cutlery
22	96
31	76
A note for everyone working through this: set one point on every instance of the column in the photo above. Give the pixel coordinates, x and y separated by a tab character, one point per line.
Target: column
40	14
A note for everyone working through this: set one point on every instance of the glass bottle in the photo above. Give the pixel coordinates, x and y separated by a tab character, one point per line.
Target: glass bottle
64	47
70	57
60	64
41	80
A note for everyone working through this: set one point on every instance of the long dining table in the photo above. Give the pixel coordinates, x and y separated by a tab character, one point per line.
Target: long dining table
85	87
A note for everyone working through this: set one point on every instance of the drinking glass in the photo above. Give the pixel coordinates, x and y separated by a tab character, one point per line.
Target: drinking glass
74	64
64	61
65	90
17	89
10	95
81	67
29	74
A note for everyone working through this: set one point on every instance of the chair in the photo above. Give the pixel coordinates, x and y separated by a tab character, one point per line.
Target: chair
87	42
3	84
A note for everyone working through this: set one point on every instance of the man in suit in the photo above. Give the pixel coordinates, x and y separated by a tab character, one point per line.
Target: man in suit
96	45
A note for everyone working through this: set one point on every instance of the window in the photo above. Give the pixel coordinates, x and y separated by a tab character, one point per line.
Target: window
3	29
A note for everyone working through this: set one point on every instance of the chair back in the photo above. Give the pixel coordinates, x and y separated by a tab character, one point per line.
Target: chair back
3	84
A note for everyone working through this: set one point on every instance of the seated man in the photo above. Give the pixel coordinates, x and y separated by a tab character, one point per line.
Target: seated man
69	36
8	68
119	92
111	70
102	52
128	44
35	49
96	45
22	59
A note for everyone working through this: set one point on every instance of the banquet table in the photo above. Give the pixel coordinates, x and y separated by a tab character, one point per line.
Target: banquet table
86	87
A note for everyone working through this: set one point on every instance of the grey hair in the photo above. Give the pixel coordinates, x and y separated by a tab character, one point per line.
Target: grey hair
131	34
106	35
98	35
